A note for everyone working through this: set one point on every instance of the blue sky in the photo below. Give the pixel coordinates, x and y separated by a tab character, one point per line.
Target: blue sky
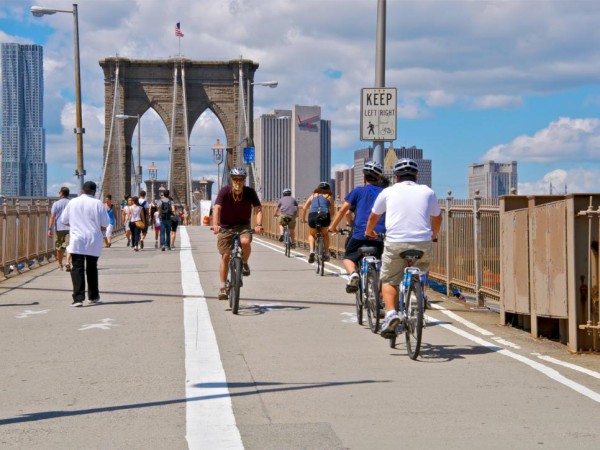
476	80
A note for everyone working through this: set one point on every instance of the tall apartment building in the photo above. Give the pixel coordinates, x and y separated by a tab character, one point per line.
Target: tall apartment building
391	156
343	182
492	179
292	150
23	147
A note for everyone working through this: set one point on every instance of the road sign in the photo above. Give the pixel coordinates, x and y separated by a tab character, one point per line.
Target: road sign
378	114
248	155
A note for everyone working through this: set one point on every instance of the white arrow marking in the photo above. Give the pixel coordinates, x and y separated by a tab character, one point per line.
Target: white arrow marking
103	325
25	314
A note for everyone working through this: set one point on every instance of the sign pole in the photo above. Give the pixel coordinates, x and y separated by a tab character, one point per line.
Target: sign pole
380	70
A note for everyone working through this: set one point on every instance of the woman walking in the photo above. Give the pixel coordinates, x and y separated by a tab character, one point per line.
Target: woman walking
134	214
111	215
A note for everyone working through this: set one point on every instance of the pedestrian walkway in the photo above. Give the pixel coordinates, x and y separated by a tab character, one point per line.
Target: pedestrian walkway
162	363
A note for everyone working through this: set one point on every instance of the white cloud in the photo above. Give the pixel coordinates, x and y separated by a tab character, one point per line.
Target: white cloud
565	139
439	98
573	181
338	168
497	101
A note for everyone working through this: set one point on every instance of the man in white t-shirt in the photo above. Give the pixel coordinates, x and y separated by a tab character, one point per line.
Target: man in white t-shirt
86	216
412	220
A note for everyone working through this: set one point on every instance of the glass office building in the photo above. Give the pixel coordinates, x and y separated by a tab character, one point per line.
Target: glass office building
23	146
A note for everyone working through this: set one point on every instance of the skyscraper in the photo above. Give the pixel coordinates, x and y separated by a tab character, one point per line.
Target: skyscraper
492	179
293	150
23	148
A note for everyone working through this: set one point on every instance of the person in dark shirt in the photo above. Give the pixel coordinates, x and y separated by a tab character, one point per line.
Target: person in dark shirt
232	213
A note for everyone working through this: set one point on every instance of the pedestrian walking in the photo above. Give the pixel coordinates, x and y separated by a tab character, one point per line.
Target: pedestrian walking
145	205
175	221
57	229
111	216
156	225
85	216
166	209
134	217
124	204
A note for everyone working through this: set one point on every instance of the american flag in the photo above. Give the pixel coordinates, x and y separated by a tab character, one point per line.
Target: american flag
178	31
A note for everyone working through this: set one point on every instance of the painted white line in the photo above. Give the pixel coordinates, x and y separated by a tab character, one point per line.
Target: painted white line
465	322
558	362
28	312
210	423
549	372
503	341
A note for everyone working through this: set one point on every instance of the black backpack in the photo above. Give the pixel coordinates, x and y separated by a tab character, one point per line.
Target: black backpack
165	210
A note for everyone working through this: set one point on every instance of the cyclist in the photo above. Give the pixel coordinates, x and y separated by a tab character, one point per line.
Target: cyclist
287	209
232	212
319	206
412	220
360	200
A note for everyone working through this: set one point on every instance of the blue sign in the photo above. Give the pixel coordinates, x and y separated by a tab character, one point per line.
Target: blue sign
248	155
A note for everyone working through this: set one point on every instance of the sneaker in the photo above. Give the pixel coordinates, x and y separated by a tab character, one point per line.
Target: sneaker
311	258
172	245
281	238
60	267
388	328
245	269
67	267
223	295
352	285
142	244
95	301
293	245
326	257
77	304
169	248
128	242
162	248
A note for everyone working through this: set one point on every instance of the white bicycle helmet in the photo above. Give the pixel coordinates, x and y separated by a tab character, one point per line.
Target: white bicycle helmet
238	172
405	166
373	168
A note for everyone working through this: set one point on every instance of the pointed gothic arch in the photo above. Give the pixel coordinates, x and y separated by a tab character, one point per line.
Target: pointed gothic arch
179	90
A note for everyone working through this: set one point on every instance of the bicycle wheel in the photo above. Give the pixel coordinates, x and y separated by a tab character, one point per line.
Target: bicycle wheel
372	298
414	318
358	298
236	281
286	240
318	254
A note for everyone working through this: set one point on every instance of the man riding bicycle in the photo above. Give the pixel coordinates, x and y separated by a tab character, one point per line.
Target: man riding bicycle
361	200
232	213
412	220
287	210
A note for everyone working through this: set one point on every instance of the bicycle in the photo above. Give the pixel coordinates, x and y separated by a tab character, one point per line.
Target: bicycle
410	304
319	263
368	295
234	276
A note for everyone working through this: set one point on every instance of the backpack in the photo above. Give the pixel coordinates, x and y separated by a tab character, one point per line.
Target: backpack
165	210
322	205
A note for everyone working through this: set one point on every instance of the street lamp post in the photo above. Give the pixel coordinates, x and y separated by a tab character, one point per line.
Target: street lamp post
153	172
218	150
39	11
138	172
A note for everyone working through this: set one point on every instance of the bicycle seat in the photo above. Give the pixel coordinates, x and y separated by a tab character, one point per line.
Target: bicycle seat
412	253
367	251
286	220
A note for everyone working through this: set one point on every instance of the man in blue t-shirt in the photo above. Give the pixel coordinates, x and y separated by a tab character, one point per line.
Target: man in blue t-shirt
360	200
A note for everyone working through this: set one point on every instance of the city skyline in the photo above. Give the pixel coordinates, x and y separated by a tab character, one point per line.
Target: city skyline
476	81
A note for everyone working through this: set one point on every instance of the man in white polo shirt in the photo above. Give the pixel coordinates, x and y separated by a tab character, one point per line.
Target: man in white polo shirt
86	216
412	220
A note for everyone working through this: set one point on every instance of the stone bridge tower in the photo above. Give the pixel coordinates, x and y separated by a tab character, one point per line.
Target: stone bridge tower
179	90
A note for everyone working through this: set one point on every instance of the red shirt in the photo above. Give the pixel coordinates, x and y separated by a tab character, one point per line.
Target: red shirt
236	212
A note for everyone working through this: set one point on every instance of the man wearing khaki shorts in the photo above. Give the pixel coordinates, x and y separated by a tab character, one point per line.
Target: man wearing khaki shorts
57	229
232	212
412	220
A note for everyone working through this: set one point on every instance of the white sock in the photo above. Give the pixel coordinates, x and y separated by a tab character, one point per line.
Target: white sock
222	285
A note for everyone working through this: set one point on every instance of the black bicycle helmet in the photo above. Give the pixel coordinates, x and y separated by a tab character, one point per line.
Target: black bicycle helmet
286	191
373	169
324	185
405	166
238	172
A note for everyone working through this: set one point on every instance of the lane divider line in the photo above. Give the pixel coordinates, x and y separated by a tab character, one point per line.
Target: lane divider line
210	422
